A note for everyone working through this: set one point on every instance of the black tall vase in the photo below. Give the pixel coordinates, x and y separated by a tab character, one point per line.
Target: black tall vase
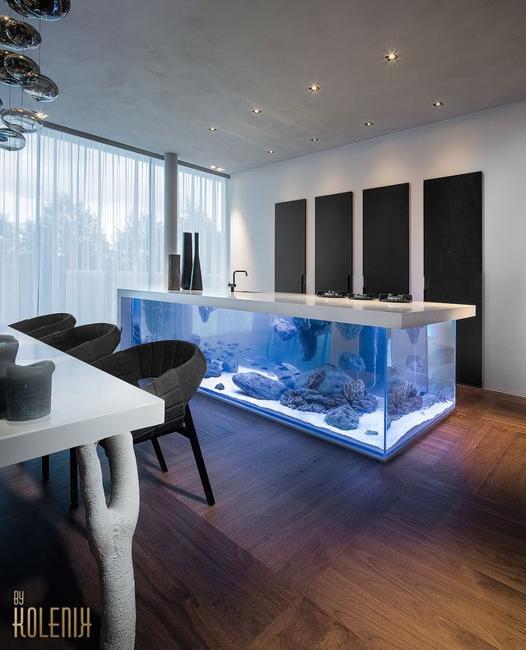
186	275
197	280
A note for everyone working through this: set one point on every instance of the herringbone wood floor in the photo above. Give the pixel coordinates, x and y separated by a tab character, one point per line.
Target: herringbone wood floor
309	545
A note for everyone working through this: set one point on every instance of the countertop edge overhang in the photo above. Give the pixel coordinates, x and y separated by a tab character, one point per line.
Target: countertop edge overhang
78	415
341	310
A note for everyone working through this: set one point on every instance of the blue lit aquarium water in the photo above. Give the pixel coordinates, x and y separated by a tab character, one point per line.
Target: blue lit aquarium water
369	388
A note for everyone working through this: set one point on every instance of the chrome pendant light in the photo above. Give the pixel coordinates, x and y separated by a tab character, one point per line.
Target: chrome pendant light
5	77
40	87
11	140
22	120
44	9
20	66
21	36
21	70
18	35
18	6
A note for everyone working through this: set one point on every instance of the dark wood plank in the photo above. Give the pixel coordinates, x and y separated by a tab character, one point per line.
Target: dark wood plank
43	550
309	545
216	592
482	442
304	625
506	481
413	580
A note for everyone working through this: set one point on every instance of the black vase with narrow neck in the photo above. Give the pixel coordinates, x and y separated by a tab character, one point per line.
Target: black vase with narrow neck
197	279
186	273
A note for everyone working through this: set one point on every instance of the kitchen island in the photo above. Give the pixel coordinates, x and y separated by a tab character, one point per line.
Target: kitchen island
367	375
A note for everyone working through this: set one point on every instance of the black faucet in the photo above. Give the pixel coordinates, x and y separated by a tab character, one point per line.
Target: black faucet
232	284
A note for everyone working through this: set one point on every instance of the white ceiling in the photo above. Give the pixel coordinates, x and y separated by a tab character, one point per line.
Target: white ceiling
156	74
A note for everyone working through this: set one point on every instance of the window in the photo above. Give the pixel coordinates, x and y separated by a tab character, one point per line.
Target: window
78	219
202	208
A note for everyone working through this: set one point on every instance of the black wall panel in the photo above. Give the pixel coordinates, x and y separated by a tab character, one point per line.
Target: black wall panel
453	259
386	239
290	242
334	214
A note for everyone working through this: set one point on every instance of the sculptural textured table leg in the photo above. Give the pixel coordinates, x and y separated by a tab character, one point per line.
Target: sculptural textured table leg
110	531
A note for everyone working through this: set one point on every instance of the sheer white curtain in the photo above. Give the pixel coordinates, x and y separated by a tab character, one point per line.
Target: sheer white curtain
78	219
202	208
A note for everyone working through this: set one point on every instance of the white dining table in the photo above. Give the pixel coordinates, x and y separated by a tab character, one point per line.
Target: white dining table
88	406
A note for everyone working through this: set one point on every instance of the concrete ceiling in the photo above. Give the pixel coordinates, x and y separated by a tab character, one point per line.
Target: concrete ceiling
156	74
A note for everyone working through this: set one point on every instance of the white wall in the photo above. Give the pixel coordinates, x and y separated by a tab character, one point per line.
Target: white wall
492	141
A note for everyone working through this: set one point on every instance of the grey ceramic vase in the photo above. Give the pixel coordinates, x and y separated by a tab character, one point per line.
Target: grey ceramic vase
29	390
8	352
174	272
186	274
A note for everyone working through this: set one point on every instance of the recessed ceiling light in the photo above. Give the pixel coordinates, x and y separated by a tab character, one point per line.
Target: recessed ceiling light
438	103
270	151
213	166
217	168
257	111
314	88
314	139
212	129
391	56
368	123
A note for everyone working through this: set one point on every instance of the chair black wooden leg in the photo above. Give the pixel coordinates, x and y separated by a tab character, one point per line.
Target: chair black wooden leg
45	468
159	454
199	460
73	478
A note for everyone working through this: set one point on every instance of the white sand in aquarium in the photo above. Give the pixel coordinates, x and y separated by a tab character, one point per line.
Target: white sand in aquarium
368	421
401	426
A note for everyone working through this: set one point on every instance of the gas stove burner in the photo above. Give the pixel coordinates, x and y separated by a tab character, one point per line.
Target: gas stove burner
362	296
393	297
331	294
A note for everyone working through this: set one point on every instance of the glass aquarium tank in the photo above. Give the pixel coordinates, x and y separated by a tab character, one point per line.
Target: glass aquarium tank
369	388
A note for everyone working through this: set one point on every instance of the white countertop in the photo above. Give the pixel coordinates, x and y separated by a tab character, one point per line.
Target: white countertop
341	310
87	405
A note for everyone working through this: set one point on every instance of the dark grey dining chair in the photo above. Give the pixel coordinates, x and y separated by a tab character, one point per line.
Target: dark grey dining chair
42	326
173	371
88	343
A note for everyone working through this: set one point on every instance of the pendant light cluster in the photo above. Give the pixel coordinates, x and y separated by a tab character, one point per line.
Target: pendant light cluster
19	70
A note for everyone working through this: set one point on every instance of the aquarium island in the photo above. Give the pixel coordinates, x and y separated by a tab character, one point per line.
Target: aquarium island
366	375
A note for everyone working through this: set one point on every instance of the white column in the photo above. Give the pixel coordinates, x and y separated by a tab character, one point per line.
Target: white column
170	209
